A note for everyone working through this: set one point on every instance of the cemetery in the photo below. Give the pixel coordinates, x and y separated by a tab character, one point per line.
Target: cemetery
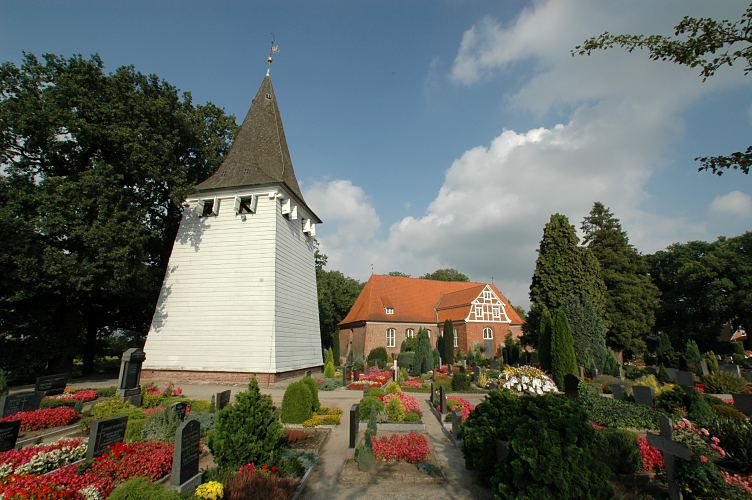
170	328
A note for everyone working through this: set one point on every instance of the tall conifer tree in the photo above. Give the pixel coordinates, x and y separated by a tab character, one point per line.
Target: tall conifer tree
563	359
631	296
448	353
544	339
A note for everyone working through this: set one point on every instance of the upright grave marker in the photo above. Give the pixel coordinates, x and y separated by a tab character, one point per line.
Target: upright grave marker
49	385
672	373
671	451
105	433
180	410
571	386
731	368
432	397
704	367
354	420
685	379
643	395
129	388
456	424
9	434
222	399
618	390
10	404
442	400
489	348
185	474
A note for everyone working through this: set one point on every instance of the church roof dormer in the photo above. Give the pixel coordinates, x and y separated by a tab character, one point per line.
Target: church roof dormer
259	154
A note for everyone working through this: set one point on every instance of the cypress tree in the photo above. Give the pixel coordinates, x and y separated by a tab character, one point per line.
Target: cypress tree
693	356
544	339
588	332
448	352
423	353
631	297
563	360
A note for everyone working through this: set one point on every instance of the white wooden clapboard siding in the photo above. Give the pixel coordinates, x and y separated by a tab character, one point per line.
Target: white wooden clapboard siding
216	309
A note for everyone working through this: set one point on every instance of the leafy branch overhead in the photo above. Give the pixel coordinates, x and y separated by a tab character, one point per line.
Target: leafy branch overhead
697	42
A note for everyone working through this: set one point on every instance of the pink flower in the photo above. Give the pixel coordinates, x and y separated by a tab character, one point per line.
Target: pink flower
705	431
703	458
715	440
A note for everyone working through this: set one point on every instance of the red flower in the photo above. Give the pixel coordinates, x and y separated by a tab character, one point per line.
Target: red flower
412	448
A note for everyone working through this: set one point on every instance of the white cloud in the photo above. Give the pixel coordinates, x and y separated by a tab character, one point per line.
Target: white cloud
733	203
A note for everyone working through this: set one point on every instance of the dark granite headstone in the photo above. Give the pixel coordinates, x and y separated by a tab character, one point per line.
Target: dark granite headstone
9	434
180	409
743	403
685	379
643	395
185	474
308	373
105	433
354	421
731	368
704	367
222	399
671	451
442	400
49	385
593	372
505	355
672	373
10	404
432	397
476	372
456	424
129	380
489	348
571	385
619	391
344	375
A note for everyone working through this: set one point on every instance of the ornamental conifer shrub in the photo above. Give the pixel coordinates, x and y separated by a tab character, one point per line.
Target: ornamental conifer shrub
544	340
247	431
378	357
563	360
314	388
297	403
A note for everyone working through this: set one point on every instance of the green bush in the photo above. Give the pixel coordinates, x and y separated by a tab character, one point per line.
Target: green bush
247	430
161	426
412	417
330	384
375	391
410	344
329	371
738	348
423	361
704	480
395	410
366	404
736	440
551	448
56	403
634	372
329	356
106	392
406	359
618	449
297	403
544	339
392	387
115	407
693	357
134	430
199	405
610	365
372	427
671	401
723	383
460	381
699	410
563	359
447	349
314	388
724	410
662	375
614	413
138	488
711	361
378	357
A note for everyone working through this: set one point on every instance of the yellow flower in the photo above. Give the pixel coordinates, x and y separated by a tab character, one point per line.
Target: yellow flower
212	490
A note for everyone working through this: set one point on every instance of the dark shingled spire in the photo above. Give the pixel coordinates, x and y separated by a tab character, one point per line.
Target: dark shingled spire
259	154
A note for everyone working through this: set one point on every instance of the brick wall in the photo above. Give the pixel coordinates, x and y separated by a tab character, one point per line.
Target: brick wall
221	377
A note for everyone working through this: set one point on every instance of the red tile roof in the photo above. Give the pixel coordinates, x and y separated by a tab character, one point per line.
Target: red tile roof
416	300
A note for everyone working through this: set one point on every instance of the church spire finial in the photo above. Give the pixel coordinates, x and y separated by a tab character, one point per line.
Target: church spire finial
273	50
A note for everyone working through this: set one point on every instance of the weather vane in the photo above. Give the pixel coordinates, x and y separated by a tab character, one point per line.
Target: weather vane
273	50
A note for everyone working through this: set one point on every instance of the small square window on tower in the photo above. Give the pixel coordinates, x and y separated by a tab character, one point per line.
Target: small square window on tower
245	204
210	207
389	310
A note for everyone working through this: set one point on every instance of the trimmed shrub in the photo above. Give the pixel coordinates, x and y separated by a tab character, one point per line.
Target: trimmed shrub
544	339
406	359
711	361
138	488
329	370
619	450
411	418
378	357
563	360
395	410
610	365
614	413
115	407
392	387
247	430
161	426
662	375
297	403
723	383
693	357
447	353
460	381
366	404
551	448
314	388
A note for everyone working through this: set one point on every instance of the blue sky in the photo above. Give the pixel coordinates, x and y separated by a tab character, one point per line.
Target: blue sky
444	133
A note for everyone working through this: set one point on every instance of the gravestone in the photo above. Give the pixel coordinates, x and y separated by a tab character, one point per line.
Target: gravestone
450	370
395	368
593	373
582	372
489	348
49	385
571	386
432	397
129	380
442	400
685	379
185	474
353	424
672	373
494	364
105	433
308	373
456	424
9	434
731	368
643	395
704	367
222	399
743	403
10	404
476	372
671	451
619	391
180	410
505	355
344	375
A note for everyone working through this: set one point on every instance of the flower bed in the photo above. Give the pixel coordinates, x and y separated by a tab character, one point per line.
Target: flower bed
95	478
41	459
375	378
409	402
411	448
82	395
413	383
44	418
463	405
526	380
652	459
324	416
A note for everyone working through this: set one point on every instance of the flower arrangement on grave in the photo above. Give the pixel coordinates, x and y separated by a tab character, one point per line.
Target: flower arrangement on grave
410	404
412	383
699	440
412	448
526	380
375	378
652	458
463	405
41	459
73	395
44	418
211	490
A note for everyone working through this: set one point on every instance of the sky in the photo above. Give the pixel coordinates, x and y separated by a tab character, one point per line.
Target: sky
444	133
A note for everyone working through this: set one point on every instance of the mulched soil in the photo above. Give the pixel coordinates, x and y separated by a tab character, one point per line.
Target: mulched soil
316	437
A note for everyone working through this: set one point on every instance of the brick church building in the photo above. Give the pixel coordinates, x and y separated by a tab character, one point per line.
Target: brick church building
390	309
